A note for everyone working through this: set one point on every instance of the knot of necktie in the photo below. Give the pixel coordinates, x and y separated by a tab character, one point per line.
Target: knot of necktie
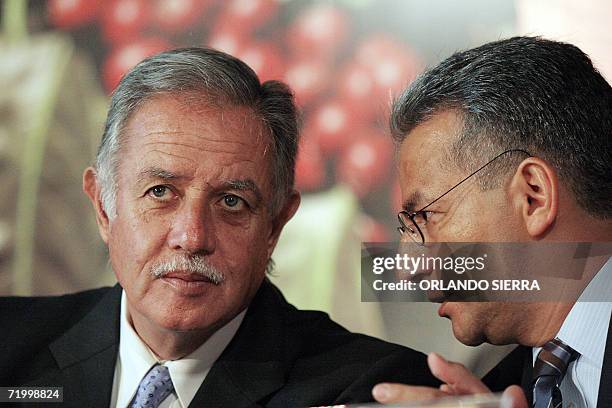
548	372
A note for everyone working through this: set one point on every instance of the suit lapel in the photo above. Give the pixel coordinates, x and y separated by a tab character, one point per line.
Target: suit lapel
604	398
514	369
527	376
86	354
238	384
254	364
252	367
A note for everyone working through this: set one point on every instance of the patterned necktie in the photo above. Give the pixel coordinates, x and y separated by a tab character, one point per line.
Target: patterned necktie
548	372
153	389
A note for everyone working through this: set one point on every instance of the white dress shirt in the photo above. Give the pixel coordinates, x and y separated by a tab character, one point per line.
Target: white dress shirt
135	359
585	329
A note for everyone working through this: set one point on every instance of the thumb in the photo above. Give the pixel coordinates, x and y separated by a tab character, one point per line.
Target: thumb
514	397
459	378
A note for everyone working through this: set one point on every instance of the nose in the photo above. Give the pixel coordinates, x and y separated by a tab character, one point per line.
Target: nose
193	229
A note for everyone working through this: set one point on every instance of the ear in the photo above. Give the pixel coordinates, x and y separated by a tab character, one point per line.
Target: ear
91	187
535	192
288	211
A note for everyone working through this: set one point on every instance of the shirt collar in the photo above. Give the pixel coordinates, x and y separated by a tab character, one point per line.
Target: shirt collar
585	328
187	374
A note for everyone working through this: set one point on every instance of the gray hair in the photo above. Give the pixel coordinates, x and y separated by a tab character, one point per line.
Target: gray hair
195	263
218	77
527	93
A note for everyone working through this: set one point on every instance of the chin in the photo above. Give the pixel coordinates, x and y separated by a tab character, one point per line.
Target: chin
187	322
467	338
465	329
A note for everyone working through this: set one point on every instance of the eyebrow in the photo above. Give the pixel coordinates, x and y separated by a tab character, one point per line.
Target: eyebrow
234	184
243	185
410	204
157	173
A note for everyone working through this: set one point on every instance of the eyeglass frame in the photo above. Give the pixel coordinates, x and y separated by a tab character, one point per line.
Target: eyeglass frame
412	214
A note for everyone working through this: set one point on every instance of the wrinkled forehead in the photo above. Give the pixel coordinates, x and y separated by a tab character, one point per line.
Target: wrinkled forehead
174	132
425	165
195	119
198	104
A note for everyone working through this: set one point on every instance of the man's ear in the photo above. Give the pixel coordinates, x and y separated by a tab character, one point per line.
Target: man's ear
288	211
91	187
535	192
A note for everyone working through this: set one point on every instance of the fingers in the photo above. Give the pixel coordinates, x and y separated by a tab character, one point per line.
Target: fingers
447	389
514	397
458	378
387	393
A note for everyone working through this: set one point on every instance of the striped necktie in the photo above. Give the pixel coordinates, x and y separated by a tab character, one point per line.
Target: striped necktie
548	372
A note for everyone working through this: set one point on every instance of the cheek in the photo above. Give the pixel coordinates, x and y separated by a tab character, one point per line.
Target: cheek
497	221
481	218
242	249
459	226
133	244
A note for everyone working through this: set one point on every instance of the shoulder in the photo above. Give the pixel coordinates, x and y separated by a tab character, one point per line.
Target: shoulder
13	307
327	342
326	357
28	320
316	334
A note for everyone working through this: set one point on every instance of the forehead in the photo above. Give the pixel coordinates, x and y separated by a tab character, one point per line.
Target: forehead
183	130
190	113
424	163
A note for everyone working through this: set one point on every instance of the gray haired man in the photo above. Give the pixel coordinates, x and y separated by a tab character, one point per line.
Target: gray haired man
192	186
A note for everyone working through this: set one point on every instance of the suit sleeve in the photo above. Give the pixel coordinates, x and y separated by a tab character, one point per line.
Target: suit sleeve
402	366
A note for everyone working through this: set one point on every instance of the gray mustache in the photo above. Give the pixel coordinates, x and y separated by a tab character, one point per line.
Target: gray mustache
192	264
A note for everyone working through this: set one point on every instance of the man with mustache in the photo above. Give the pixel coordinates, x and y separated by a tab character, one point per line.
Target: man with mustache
512	142
192	185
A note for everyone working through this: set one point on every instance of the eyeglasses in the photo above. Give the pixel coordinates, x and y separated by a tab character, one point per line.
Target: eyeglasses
411	221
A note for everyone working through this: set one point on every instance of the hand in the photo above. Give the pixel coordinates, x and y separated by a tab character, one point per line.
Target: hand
514	397
457	380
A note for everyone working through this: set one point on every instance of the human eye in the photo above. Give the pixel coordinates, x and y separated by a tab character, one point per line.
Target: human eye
160	193
428	217
232	202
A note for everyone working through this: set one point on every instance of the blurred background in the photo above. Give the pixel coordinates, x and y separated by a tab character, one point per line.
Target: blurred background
345	60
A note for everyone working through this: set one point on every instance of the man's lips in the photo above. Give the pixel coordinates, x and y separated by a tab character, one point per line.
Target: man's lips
441	312
188	283
186	276
434	296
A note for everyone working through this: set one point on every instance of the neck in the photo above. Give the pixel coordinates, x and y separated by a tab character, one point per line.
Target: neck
581	228
545	322
546	318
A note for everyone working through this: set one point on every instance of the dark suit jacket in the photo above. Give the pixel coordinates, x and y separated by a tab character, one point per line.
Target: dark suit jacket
280	356
517	367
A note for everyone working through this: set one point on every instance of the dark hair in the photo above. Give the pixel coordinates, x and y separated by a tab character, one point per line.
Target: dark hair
522	93
218	78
